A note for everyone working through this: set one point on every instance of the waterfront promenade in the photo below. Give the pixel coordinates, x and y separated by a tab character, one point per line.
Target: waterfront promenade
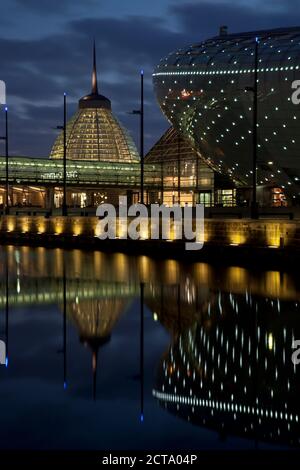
271	239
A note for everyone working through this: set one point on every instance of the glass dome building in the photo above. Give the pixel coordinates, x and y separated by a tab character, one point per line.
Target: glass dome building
206	92
94	133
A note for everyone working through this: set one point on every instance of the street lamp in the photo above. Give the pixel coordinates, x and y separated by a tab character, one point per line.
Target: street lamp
142	286
140	112
253	89
6	210
64	128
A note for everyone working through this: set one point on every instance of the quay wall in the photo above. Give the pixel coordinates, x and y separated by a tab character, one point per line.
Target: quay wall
273	233
267	244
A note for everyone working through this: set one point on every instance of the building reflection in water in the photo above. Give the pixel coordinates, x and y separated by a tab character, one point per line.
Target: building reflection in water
6	308
231	370
91	267
229	365
95	321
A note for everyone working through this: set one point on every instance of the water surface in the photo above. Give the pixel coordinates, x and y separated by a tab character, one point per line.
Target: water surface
108	351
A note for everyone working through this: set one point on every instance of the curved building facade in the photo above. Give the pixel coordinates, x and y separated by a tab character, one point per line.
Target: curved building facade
206	92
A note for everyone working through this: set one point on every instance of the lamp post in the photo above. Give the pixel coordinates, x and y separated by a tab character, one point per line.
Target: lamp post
142	137
6	306
140	112
65	321
253	89
64	128
179	171
6	210
142	286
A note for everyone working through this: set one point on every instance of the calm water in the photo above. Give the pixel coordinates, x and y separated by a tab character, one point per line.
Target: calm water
115	352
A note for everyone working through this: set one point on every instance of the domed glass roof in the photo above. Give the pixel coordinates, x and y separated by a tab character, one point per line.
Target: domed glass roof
94	133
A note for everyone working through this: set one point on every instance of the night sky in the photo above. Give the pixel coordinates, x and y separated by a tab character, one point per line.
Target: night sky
46	49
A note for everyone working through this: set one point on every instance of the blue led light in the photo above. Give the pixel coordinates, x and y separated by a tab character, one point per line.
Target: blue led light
6	109
142	418
6	362
65	385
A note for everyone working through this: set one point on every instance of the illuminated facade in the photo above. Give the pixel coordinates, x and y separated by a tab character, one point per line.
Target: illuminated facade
184	175
38	181
102	164
202	91
94	133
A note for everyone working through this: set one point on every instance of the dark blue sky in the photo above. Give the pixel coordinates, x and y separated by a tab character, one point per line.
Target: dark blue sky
45	49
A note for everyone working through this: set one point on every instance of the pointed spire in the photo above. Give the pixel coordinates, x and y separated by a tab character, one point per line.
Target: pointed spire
94	74
93	99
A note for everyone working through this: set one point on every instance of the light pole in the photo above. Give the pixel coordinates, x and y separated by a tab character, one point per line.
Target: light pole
6	210
140	112
142	137
142	286
64	128
6	306
65	321
179	171
254	205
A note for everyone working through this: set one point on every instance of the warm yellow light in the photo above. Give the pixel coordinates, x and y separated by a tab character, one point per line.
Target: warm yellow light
144	230
41	228
25	226
58	229
273	235
77	230
236	276
270	342
171	271
273	283
11	225
236	235
144	268
122	229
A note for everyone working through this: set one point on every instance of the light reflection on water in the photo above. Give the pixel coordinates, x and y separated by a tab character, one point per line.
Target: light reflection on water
88	359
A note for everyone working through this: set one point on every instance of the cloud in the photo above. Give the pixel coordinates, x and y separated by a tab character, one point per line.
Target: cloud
38	70
204	18
54	7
